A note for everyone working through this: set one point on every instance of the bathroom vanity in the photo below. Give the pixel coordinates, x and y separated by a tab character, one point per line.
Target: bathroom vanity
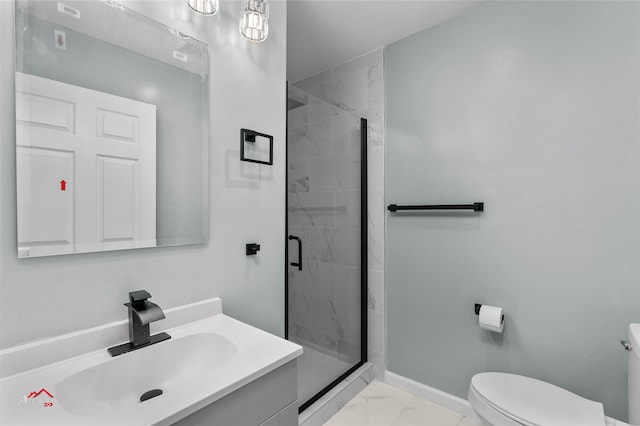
268	401
213	370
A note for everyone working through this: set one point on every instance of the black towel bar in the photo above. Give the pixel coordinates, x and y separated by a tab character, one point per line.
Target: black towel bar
476	207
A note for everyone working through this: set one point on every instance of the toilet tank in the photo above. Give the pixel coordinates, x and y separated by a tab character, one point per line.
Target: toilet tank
634	374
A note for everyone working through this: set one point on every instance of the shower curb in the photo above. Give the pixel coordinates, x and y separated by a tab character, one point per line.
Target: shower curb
328	405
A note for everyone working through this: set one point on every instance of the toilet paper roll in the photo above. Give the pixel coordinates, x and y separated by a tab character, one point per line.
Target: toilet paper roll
491	318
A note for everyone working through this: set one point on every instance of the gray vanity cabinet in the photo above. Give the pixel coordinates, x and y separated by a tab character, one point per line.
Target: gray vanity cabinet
270	400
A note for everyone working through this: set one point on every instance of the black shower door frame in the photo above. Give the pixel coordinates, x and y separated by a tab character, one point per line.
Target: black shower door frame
364	252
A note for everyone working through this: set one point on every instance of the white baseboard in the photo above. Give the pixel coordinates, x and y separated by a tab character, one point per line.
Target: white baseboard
445	399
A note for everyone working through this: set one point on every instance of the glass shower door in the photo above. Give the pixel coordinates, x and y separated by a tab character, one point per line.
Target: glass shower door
325	288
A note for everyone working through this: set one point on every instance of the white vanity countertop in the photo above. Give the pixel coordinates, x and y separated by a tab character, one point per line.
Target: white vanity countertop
257	353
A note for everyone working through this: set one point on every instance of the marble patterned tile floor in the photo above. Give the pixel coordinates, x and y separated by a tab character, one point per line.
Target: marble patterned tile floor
380	404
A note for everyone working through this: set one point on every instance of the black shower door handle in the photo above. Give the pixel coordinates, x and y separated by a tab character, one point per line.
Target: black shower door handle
299	262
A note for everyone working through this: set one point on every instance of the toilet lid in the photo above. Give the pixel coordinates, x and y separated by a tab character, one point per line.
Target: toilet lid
532	402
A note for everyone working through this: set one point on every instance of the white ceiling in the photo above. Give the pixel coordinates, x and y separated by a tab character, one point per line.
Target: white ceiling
324	33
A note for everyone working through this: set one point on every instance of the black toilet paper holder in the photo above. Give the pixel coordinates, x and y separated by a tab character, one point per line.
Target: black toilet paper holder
477	308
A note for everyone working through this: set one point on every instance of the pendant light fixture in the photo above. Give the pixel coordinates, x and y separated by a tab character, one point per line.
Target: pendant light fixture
204	7
253	22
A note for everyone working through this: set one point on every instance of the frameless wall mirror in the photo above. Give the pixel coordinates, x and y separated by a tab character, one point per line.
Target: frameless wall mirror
111	130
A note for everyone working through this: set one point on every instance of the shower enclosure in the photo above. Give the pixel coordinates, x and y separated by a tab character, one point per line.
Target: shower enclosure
326	241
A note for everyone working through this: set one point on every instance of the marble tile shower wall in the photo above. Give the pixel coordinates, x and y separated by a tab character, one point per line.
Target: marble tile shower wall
324	211
357	87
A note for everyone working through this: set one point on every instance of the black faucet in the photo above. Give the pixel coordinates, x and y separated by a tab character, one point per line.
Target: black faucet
141	314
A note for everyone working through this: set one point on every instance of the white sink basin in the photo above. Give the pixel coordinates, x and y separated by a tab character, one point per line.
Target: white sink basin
170	366
208	356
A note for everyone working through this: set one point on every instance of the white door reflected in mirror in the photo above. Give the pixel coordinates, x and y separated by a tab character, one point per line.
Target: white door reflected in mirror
112	129
86	169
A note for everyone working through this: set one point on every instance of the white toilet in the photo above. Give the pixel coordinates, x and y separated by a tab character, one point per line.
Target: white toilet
502	399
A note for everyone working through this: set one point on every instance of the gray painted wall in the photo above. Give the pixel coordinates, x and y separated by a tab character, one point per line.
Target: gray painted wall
46	297
533	108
